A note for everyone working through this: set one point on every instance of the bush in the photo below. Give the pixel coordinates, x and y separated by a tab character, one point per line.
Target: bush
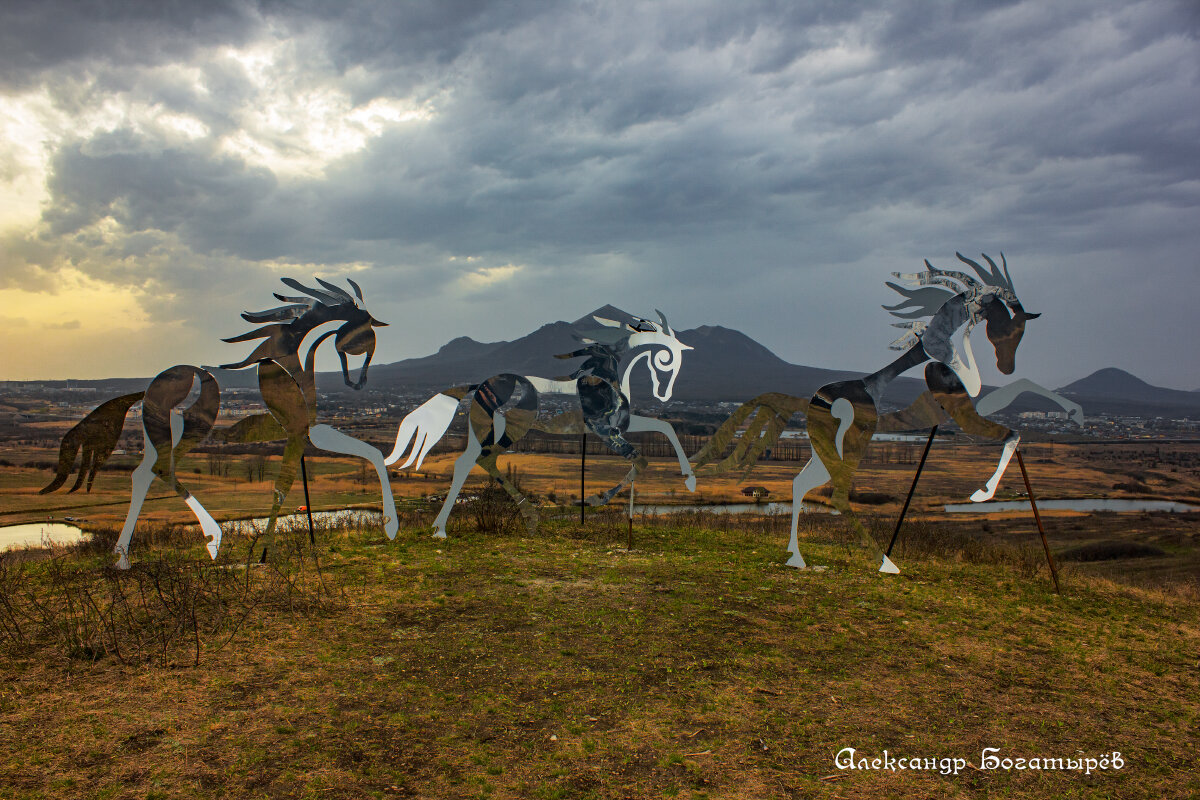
1111	550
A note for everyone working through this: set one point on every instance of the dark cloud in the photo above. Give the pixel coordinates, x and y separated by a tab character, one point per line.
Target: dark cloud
764	165
72	34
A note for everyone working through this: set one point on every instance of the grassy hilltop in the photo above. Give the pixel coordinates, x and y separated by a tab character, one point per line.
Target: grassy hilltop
565	665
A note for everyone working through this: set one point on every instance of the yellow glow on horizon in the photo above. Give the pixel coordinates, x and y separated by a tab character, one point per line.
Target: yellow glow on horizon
88	329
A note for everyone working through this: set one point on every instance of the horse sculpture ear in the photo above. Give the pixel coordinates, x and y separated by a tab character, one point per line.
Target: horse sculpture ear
1033	316
663	319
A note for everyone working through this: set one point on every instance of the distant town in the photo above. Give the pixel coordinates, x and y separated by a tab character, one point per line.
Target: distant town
36	403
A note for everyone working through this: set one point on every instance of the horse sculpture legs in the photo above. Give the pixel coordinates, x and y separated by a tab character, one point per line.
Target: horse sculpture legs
487	460
153	465
168	432
505	407
638	423
816	474
949	393
813	475
462	466
841	421
333	440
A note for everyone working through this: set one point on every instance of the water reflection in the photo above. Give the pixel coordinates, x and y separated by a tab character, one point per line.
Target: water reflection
39	534
730	508
1076	504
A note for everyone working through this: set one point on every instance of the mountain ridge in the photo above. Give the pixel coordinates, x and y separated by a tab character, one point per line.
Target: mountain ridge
724	364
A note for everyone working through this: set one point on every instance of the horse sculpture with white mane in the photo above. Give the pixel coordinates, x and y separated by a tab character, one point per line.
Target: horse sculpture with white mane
843	416
505	407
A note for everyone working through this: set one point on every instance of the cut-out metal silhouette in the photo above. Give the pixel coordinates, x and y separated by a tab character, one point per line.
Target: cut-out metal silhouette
288	389
843	416
505	407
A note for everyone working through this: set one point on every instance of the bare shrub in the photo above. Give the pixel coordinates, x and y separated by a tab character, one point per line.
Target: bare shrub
159	611
168	608
492	509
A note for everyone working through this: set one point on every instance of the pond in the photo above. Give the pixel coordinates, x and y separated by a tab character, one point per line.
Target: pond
1075	504
730	508
37	534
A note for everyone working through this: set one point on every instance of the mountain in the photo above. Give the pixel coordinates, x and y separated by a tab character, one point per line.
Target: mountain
724	364
1119	392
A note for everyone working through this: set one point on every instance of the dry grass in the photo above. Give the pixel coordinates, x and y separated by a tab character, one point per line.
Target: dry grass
565	666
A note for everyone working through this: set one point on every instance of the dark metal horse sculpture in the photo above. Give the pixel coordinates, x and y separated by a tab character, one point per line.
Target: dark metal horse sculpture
843	416
505	407
288	388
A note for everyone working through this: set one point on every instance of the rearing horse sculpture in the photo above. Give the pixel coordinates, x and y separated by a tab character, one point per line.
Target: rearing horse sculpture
288	388
505	407
843	416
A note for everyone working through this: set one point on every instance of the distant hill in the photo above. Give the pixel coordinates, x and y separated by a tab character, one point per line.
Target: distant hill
724	364
1119	392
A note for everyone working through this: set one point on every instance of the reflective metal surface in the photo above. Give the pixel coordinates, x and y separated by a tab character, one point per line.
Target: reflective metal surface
288	388
843	416
505	407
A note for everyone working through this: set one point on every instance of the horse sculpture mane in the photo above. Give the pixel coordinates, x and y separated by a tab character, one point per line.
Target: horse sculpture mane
926	297
284	327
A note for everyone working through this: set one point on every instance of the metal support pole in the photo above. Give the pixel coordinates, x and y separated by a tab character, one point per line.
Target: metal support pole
582	470
1038	518
629	543
911	489
312	537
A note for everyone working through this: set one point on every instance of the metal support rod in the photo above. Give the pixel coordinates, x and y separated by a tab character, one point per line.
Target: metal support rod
582	470
629	543
1038	518
911	489
312	537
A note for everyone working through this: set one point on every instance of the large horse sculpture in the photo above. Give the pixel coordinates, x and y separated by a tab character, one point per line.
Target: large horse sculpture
288	389
843	416
505	407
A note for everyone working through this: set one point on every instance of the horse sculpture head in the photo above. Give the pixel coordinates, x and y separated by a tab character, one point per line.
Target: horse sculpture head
990	298
285	327
997	298
663	352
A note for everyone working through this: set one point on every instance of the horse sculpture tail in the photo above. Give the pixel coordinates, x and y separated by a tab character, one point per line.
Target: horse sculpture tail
768	413
426	425
97	435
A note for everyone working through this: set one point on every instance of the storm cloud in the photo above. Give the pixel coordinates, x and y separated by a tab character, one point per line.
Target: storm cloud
483	168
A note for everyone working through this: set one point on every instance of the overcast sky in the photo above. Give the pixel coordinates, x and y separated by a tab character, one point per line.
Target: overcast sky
484	168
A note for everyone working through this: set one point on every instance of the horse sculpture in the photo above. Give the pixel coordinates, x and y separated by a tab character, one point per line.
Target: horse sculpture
505	407
288	389
843	416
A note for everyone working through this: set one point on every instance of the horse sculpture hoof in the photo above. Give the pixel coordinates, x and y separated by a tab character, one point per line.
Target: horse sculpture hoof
439	534
797	561
888	567
123	560
690	482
